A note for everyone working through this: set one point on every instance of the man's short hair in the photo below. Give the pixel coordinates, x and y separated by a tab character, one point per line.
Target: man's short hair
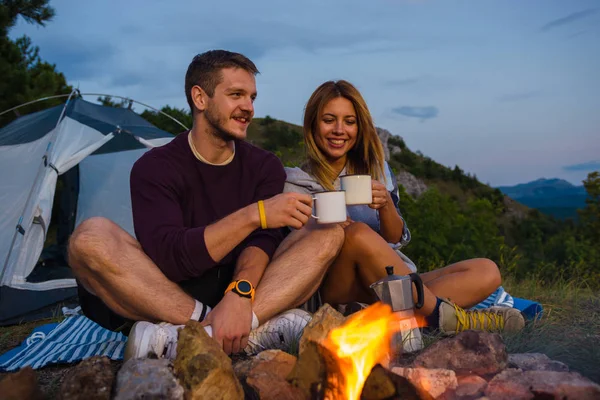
205	71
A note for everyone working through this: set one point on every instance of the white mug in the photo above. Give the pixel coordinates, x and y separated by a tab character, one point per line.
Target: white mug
329	207
357	188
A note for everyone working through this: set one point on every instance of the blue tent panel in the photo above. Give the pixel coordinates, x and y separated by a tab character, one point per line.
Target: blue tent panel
31	127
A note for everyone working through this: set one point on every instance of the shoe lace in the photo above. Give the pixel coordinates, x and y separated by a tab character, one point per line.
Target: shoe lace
474	319
170	349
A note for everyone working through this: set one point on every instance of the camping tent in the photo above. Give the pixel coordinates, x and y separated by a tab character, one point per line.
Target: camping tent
88	149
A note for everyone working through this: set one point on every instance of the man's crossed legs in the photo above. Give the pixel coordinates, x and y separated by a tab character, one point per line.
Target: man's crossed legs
110	264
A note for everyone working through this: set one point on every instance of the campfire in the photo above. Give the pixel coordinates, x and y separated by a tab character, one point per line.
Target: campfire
356	347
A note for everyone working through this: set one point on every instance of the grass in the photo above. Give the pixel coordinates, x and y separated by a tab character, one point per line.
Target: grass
569	330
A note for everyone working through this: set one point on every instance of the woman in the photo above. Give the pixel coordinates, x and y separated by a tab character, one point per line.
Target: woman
340	139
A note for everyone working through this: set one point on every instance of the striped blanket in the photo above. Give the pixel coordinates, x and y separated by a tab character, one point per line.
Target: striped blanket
74	339
500	298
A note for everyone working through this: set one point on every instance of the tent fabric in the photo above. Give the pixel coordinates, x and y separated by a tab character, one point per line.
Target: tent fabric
103	142
30	128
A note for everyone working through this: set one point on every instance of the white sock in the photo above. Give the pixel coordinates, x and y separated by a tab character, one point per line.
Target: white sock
200	311
208	330
255	322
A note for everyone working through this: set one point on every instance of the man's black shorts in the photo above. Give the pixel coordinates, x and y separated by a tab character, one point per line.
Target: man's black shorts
208	289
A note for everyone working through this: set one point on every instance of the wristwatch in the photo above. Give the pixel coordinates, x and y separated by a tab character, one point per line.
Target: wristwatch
242	288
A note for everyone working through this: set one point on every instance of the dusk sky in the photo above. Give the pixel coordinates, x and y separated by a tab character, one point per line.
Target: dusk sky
506	89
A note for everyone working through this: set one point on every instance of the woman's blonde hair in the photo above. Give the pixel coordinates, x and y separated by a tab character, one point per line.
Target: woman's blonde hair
366	157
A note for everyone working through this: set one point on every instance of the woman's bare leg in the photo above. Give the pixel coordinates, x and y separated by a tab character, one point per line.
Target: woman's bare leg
466	283
363	259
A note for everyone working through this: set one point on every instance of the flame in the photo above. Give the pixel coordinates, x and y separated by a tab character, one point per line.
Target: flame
358	345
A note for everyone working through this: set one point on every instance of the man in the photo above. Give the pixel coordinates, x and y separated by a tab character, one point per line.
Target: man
208	213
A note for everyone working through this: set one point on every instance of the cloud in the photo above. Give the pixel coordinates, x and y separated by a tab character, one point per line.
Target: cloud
422	113
574	35
568	19
586	166
403	82
519	96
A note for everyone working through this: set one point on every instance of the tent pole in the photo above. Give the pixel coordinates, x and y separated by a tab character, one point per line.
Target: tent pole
97	94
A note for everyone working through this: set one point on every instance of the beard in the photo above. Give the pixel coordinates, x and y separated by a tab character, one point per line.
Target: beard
217	122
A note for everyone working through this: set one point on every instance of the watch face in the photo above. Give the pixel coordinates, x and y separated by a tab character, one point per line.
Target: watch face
244	287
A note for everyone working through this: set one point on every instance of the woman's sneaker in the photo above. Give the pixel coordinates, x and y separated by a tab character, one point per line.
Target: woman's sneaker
147	339
454	319
281	332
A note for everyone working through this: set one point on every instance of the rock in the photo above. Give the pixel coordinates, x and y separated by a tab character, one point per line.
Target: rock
146	378
430	383
265	375
378	385
384	384
203	369
21	385
384	136
516	384
269	386
310	371
275	362
91	379
324	320
481	353
414	186
469	387
535	362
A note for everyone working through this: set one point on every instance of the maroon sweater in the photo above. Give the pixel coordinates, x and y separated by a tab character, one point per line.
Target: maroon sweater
174	196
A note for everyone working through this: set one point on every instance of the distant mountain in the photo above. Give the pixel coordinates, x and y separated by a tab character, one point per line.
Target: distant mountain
555	197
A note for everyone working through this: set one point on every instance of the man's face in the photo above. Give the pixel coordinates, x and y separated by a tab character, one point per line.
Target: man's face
231	108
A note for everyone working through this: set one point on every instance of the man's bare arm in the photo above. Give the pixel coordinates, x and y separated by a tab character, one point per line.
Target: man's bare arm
287	209
251	265
224	235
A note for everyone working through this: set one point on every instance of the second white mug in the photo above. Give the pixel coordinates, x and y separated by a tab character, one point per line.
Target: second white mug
329	207
357	188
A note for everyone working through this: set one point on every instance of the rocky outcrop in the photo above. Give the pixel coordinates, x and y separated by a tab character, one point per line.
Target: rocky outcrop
414	186
513	209
384	136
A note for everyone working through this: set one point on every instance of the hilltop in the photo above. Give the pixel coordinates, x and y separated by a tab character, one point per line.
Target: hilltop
555	197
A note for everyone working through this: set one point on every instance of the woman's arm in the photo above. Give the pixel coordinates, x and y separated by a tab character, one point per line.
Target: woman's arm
391	224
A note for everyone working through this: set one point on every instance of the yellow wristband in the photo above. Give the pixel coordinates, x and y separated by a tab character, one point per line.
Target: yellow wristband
262	215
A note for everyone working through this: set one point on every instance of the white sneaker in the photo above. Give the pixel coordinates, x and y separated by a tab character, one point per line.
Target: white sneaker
146	338
281	332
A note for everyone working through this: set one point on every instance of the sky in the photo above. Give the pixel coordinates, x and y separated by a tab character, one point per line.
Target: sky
509	90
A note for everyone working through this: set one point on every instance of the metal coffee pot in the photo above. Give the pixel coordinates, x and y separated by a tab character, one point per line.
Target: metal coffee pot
396	291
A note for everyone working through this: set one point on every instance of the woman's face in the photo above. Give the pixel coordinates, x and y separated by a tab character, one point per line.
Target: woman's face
337	129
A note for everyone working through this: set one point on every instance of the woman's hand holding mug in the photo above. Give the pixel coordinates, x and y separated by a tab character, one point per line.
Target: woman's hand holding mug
380	195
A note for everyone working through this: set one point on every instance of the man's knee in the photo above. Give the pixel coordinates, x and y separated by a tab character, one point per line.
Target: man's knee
91	239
